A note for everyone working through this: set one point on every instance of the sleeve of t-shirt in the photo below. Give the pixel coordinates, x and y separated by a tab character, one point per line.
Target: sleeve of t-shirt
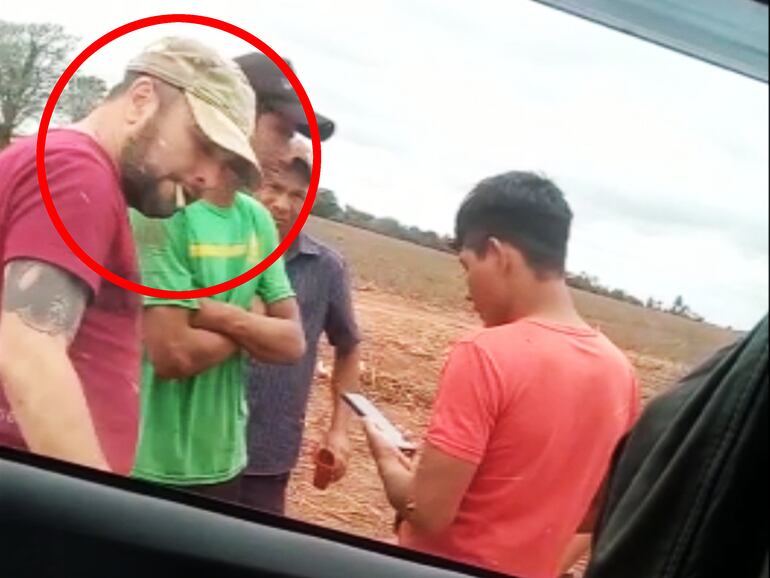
273	284
468	403
161	248
340	323
85	194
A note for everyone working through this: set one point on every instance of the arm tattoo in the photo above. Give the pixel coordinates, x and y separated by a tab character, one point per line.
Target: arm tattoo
46	298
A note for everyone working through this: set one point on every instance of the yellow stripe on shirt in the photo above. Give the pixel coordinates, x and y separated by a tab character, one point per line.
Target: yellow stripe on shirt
220	251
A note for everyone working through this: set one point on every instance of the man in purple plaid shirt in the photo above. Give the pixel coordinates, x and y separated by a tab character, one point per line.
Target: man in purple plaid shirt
278	395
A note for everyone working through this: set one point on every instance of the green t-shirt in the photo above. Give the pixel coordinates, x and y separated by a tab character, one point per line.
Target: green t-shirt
193	430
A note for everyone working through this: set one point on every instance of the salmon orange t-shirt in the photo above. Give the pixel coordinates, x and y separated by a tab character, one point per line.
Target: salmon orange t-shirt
539	409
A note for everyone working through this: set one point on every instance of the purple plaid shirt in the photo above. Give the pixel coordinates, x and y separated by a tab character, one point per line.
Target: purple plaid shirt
278	394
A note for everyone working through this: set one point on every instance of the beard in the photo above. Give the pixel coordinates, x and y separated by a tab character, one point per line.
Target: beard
143	189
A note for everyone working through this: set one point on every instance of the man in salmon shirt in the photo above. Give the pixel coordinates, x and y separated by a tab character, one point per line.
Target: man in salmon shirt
69	341
529	408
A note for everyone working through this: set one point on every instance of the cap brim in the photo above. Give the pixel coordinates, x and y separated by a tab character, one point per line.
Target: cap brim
325	127
295	113
222	131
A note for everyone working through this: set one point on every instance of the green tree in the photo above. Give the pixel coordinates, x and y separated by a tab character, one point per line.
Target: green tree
358	218
81	95
326	205
388	226
650	304
32	57
678	307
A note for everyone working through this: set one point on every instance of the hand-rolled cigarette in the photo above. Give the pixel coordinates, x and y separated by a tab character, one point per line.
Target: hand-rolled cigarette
180	200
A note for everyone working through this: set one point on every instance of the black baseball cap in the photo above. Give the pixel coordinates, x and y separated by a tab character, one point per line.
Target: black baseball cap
272	87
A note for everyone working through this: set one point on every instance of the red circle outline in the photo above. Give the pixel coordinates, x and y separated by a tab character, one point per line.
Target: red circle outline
46	120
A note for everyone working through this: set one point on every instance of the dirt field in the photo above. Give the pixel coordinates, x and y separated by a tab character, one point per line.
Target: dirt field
433	278
410	304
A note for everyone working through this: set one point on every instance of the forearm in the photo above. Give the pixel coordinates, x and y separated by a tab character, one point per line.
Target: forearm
425	512
398	484
427	492
204	350
344	379
47	400
269	339
177	350
266	339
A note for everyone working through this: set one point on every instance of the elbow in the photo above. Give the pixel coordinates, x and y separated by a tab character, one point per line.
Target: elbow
292	348
11	357
6	368
168	371
171	362
296	346
300	345
4	359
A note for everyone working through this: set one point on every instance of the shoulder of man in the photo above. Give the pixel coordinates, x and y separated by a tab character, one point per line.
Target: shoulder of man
69	150
506	345
257	211
483	337
152	234
617	354
70	156
330	256
60	140
85	187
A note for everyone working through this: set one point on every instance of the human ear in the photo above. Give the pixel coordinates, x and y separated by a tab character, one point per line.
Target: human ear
142	101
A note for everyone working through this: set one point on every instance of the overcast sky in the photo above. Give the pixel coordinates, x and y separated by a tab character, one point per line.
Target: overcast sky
663	158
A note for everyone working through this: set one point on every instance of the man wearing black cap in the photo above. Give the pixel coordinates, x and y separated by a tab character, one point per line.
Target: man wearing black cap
280	112
278	395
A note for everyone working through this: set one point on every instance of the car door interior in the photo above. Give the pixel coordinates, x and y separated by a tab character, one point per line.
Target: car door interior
729	33
59	519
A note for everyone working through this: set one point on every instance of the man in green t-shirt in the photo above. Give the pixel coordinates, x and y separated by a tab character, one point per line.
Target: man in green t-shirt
193	412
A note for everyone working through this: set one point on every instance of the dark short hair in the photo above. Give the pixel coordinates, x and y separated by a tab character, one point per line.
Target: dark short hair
122	87
523	209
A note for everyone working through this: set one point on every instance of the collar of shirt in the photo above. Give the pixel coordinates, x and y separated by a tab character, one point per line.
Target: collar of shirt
303	245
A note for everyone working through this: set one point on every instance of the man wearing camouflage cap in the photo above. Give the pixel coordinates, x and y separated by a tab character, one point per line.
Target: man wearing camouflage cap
177	126
193	432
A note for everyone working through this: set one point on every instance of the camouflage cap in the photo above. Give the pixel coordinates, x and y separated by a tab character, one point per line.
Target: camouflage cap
220	97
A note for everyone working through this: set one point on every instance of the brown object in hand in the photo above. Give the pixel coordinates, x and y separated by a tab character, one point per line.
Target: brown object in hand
324	468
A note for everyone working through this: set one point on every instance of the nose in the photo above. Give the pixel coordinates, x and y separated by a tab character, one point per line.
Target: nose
204	175
280	205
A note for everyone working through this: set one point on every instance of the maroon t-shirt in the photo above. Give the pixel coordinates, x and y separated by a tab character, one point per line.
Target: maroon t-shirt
105	351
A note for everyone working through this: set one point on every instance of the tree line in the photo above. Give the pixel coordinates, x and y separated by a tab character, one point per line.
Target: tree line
328	207
33	56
